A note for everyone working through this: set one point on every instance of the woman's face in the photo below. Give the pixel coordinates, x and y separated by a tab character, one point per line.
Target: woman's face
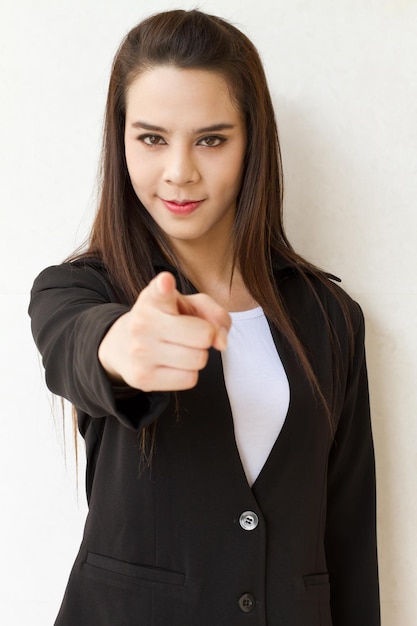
185	144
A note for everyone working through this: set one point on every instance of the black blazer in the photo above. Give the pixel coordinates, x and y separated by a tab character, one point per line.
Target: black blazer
187	542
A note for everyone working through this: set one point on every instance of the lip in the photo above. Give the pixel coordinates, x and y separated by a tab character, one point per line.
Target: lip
183	207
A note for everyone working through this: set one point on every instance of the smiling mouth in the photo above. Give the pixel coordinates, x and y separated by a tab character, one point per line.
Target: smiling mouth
183	207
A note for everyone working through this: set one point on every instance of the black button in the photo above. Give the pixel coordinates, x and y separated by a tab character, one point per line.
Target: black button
247	602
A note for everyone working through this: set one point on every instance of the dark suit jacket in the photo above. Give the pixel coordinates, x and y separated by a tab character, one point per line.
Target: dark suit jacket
187	542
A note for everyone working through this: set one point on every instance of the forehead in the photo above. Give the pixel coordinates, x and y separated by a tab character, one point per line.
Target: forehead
167	92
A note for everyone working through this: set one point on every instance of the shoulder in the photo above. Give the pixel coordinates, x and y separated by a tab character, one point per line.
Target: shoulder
311	293
81	274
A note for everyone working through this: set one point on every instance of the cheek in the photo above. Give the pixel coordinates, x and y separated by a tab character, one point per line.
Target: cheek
129	155
228	170
138	172
233	174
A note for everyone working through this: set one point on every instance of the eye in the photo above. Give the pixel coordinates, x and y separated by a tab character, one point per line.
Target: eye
212	141
152	140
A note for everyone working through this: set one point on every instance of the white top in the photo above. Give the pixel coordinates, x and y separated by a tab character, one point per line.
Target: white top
257	386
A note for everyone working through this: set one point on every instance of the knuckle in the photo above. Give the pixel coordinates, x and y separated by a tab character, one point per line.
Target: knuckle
207	335
201	359
190	379
138	325
142	377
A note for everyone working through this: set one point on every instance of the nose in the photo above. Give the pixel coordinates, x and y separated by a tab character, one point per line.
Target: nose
180	166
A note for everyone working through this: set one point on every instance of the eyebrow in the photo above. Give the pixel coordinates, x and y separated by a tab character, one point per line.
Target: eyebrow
207	129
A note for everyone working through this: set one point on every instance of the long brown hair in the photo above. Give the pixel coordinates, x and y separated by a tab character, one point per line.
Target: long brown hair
124	235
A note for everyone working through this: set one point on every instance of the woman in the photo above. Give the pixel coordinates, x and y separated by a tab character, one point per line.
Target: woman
219	379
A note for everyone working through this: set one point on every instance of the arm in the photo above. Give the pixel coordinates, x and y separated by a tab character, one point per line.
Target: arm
72	307
87	340
351	512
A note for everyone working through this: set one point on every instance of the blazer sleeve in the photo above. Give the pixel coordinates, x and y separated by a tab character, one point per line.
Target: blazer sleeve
351	548
71	308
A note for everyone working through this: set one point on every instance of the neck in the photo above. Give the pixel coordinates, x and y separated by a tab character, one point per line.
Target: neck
211	271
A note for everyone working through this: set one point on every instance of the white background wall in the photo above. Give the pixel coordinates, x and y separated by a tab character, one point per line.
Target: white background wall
344	79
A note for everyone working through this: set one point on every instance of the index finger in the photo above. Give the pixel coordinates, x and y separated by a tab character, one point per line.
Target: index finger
203	306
